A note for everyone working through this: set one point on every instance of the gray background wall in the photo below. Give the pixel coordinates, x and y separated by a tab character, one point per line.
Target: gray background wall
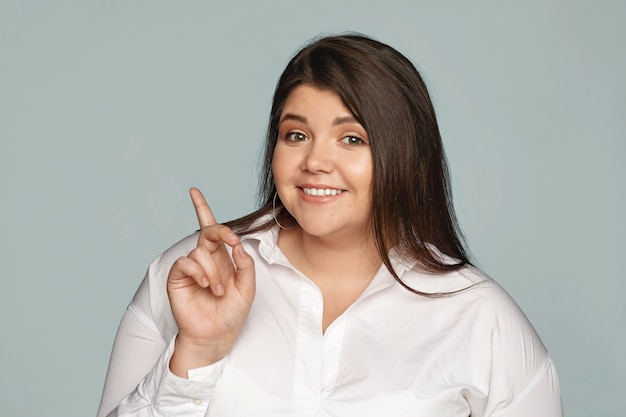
110	111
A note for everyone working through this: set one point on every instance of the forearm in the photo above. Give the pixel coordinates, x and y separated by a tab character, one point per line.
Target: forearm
136	348
161	393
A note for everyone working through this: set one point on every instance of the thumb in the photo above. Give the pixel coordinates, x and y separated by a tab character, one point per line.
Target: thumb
245	268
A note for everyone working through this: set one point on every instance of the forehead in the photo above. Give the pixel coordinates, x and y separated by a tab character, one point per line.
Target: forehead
307	96
308	104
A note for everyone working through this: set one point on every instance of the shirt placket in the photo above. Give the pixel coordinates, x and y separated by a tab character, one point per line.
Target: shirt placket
317	355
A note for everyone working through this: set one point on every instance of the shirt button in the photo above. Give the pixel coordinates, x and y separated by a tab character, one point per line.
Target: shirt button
197	401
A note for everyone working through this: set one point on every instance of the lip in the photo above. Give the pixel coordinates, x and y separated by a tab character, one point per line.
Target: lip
320	186
319	199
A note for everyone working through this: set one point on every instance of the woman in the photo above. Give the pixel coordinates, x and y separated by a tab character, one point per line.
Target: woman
349	292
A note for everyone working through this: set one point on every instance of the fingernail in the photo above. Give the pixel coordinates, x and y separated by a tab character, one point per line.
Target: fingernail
205	282
219	290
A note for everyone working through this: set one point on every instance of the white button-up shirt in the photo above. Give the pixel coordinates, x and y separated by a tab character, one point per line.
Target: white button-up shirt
391	353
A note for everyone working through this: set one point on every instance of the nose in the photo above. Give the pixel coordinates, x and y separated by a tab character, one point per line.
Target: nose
318	157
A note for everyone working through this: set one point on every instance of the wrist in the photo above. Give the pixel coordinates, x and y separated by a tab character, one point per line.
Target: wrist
192	354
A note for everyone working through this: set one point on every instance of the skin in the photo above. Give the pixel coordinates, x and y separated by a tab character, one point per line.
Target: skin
320	146
210	293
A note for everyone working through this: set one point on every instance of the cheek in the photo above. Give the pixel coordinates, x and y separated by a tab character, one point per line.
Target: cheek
363	173
279	165
364	181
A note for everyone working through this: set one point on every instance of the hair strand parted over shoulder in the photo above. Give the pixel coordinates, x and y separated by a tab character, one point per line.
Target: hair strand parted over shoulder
412	207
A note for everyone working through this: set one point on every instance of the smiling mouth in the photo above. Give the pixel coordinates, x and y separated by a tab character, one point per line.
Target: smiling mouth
320	192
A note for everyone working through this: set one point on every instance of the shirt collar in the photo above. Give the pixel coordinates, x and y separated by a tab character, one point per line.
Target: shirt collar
268	242
406	269
269	250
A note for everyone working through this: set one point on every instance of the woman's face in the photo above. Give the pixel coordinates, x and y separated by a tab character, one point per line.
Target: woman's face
323	165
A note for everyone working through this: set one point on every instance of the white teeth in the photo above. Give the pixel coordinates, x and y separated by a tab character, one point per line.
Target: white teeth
316	192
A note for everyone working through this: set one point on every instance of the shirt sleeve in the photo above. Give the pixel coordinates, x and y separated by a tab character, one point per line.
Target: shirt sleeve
161	393
136	348
541	398
139	382
523	379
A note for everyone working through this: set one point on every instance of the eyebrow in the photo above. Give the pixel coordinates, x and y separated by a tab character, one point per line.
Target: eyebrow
338	121
292	116
344	120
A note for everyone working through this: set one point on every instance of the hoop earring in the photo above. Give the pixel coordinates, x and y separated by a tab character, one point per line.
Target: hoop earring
274	213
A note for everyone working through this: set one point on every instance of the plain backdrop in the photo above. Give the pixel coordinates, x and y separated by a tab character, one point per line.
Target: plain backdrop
111	110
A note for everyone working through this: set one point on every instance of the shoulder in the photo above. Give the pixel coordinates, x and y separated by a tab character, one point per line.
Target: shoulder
499	311
468	289
516	358
502	348
163	262
490	307
477	307
522	375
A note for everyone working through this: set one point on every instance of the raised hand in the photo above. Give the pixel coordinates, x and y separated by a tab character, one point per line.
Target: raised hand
210	293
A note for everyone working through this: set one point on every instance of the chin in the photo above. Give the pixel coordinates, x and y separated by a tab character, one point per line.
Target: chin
316	229
325	228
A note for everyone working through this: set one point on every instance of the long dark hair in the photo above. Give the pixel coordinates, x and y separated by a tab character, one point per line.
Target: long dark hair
411	197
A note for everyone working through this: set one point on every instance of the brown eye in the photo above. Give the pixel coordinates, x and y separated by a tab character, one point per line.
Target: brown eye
352	140
295	137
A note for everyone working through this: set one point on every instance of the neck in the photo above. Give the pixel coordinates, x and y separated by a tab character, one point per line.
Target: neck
331	260
341	268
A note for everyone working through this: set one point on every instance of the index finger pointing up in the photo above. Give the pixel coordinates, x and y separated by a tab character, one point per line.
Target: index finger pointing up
203	211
